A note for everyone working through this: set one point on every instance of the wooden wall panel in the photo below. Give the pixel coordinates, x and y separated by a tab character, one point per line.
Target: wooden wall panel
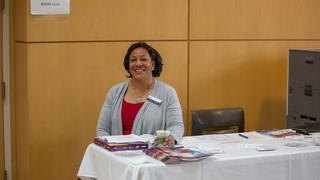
21	114
248	74
252	19
60	90
20	21
107	20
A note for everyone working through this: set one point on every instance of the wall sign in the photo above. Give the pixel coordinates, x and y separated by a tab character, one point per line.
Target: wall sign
42	7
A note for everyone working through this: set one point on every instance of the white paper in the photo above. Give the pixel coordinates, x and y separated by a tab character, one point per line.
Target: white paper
203	145
43	7
124	138
221	138
265	147
257	136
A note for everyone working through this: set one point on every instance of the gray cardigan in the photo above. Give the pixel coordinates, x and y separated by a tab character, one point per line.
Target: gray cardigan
151	116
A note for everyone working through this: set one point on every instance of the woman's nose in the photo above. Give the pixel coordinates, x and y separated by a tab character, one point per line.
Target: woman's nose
139	62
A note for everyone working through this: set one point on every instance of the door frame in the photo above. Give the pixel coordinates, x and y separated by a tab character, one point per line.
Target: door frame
5	103
2	168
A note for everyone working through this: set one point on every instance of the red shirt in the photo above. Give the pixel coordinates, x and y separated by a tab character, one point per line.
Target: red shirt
128	114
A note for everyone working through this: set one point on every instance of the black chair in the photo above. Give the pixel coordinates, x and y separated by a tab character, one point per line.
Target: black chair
217	121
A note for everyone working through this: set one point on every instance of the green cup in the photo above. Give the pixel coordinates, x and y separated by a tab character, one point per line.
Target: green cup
162	136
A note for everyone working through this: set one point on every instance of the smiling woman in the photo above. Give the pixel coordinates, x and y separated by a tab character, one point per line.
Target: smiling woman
143	104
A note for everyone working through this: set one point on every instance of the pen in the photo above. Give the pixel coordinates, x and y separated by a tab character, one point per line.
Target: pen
243	136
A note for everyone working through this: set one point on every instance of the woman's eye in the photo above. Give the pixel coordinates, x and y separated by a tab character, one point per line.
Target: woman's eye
132	60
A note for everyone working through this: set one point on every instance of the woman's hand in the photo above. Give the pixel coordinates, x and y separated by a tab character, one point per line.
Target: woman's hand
170	142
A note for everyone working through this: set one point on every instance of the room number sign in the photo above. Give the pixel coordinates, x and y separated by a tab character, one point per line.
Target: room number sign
43	7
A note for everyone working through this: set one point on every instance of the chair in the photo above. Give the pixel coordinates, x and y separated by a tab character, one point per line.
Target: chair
217	121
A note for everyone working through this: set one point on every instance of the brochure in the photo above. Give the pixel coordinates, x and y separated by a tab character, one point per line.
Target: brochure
280	133
176	155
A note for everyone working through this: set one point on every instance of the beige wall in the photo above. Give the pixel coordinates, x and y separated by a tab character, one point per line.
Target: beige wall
60	92
250	19
103	20
248	74
217	53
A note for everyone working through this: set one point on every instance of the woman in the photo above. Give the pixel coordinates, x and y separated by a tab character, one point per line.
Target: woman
143	104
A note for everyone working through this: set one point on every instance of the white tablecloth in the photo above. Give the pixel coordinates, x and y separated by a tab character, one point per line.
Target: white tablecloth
239	160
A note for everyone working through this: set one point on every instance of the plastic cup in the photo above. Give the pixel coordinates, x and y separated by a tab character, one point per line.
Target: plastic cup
162	136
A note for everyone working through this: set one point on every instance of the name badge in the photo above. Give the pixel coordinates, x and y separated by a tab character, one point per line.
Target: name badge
154	100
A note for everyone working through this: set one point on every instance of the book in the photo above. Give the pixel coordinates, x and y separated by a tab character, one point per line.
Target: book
176	155
121	143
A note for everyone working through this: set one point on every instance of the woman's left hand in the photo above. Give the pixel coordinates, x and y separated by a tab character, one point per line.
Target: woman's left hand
170	142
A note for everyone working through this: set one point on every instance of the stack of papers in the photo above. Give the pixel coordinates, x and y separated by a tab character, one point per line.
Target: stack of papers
121	142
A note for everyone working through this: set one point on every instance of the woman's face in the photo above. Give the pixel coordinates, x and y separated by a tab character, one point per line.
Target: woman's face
140	64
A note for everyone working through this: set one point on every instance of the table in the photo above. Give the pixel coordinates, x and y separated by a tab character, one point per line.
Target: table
238	160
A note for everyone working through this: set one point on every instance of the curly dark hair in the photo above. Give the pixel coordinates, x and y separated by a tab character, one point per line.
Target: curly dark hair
154	54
